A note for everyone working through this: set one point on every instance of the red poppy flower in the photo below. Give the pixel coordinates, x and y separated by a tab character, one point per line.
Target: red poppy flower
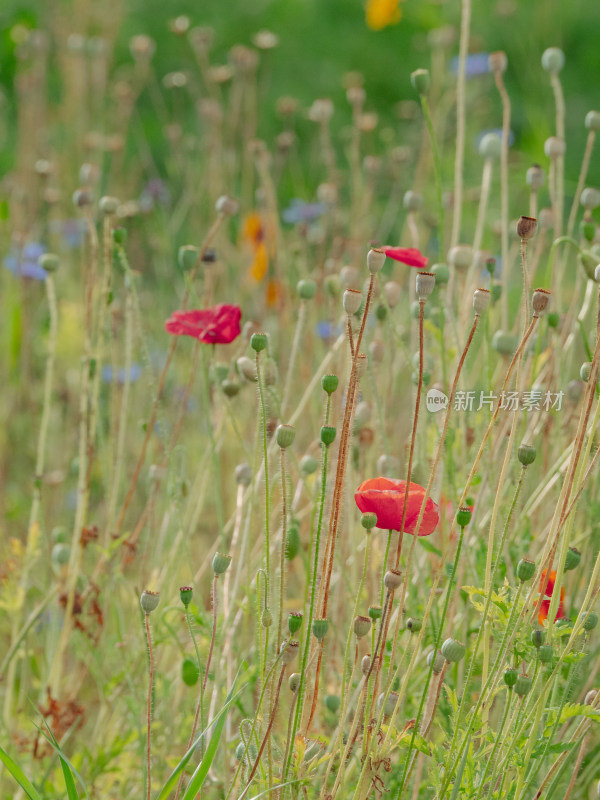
385	498
217	325
545	607
407	255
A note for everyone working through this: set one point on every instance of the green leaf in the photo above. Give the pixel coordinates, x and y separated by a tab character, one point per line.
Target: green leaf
419	742
69	771
218	722
19	776
557	747
428	546
571	710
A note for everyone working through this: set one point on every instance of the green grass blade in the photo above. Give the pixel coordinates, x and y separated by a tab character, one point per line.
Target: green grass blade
19	776
218	722
69	771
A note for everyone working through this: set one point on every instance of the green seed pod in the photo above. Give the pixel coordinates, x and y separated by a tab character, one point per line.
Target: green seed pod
189	672
523	685
328	433
61	553
504	343
266	618
553	319
437	659
390	702
375	612
220	563
258	341
545	653
320	628
381	313
589	263
220	372
525	570
294	682
59	535
414	625
187	257
421	81
442	273
538	638
463	517
49	262
369	520
119	236
590	620
573	558
362	626
453	650
510	677
333	284
230	388
309	464
292	541
526	454
285	436
306	289
149	601
330	383
332	702
186	594
294	621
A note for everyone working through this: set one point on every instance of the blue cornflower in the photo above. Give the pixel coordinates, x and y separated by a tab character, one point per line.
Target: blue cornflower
299	211
71	231
25	264
119	375
328	330
477	64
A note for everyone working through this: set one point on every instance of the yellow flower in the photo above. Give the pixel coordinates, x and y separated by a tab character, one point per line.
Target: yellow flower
381	13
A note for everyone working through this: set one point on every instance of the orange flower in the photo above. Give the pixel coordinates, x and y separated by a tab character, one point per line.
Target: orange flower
545	606
385	498
254	234
381	13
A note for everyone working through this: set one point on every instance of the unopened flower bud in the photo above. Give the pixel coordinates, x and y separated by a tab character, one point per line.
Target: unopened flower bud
536	177
82	197
365	665
108	205
243	474
452	650
266	618
425	284
294	682
437	659
390	702
590	697
414	625
49	262
227	206
526	227
285	436
539	301
573	558
545	653
553	59
188	256
412	201
306	289
375	260
585	371
590	198
538	637
592	120
362	626
420	80
590	620
149	601
554	147
220	563
352	300
392	579
481	300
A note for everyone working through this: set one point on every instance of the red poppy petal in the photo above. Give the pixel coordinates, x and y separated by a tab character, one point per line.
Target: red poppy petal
407	255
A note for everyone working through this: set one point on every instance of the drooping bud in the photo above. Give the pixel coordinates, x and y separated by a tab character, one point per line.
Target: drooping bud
585	371
266	618
421	81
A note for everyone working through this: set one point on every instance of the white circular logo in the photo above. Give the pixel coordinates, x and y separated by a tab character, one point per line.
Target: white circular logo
436	401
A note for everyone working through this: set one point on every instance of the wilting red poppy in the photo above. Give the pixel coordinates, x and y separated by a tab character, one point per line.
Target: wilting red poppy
407	255
217	325
545	607
385	498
